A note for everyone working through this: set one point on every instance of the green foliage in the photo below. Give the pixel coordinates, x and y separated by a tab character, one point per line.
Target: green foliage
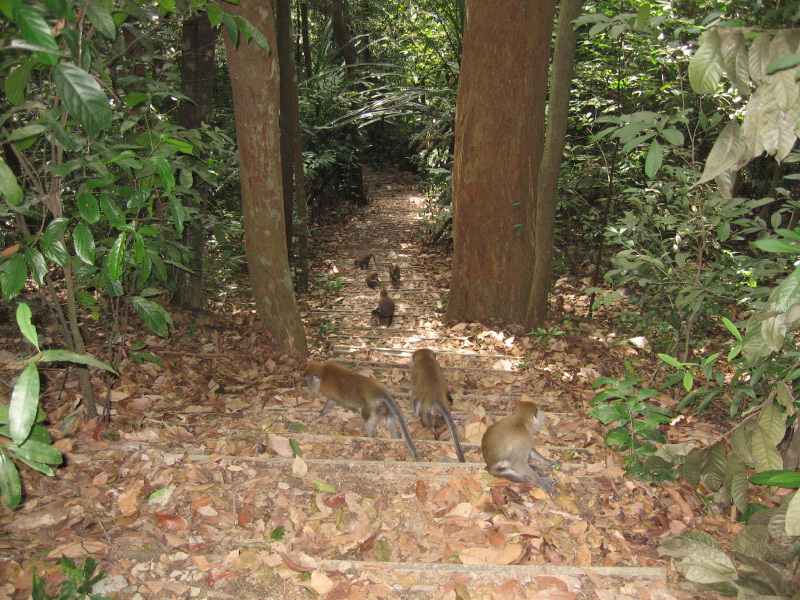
540	334
623	401
21	420
78	585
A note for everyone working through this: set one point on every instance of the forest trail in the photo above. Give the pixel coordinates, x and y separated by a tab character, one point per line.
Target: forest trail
196	490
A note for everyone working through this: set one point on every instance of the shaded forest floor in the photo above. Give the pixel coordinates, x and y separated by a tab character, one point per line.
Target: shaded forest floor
195	489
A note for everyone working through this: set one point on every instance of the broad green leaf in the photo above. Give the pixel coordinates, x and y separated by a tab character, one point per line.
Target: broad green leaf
618	437
180	145
688	381
37	265
772	421
778	478
10	485
382	551
673	362
765	454
16	81
705	67
84	243
34	29
9	188
165	173
25	326
736	481
178	211
678	546
67	355
83	97
715	461
53	232
732	328
231	26
726	153
13	276
735	58
673	136
112	211
154	315
113	266
606	413
57	253
102	20
775	245
41	467
788	292
33	130
752	541
38	452
706	566
759	56
134	99
654	160
88	207
295	447
24	404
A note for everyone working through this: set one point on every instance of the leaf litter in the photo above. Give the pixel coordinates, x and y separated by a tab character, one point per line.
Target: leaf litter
217	477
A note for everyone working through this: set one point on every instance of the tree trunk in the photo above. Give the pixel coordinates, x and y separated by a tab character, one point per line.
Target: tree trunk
541	220
344	39
304	36
294	180
499	136
197	82
256	103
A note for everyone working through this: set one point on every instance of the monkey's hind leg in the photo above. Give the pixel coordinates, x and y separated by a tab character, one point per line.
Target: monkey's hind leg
523	474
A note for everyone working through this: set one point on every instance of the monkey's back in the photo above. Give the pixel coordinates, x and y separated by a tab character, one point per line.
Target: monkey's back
353	390
426	369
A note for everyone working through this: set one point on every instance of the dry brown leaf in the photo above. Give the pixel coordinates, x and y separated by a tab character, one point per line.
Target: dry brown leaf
128	500
319	582
171	522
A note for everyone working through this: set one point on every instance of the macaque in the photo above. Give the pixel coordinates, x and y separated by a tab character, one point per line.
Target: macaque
507	447
431	399
359	393
372	280
394	275
385	310
362	262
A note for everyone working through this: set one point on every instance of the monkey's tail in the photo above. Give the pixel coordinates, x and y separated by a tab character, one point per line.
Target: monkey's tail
452	426
403	427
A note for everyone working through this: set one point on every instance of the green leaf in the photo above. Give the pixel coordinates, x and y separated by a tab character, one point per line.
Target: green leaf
736	481
37	265
230	26
165	173
69	356
654	160
38	452
9	187
113	266
57	253
776	245
84	243
178	211
773	421
24	404
88	207
792	522
278	533
10	485
705	67
102	20
606	413
83	97
53	232
732	328
154	315
17	80
619	437
778	478
180	145
323	486
295	447
765	454
25	326
13	276
673	362
34	29
112	211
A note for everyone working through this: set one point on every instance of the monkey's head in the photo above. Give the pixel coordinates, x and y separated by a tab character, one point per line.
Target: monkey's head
384	292
422	354
313	376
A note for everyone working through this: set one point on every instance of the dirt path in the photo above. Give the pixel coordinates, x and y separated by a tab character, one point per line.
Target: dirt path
195	491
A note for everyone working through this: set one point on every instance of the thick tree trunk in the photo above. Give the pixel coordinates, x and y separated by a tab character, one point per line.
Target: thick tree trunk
541	220
294	180
499	135
197	82
256	102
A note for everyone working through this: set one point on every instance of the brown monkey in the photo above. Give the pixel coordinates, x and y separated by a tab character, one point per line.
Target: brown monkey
507	447
372	280
362	262
385	310
431	399
394	275
359	393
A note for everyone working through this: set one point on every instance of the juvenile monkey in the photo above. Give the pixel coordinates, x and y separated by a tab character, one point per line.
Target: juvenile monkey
362	262
507	447
372	280
385	310
394	275
359	393
431	399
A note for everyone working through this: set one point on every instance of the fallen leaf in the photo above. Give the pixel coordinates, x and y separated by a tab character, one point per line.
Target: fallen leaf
172	522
